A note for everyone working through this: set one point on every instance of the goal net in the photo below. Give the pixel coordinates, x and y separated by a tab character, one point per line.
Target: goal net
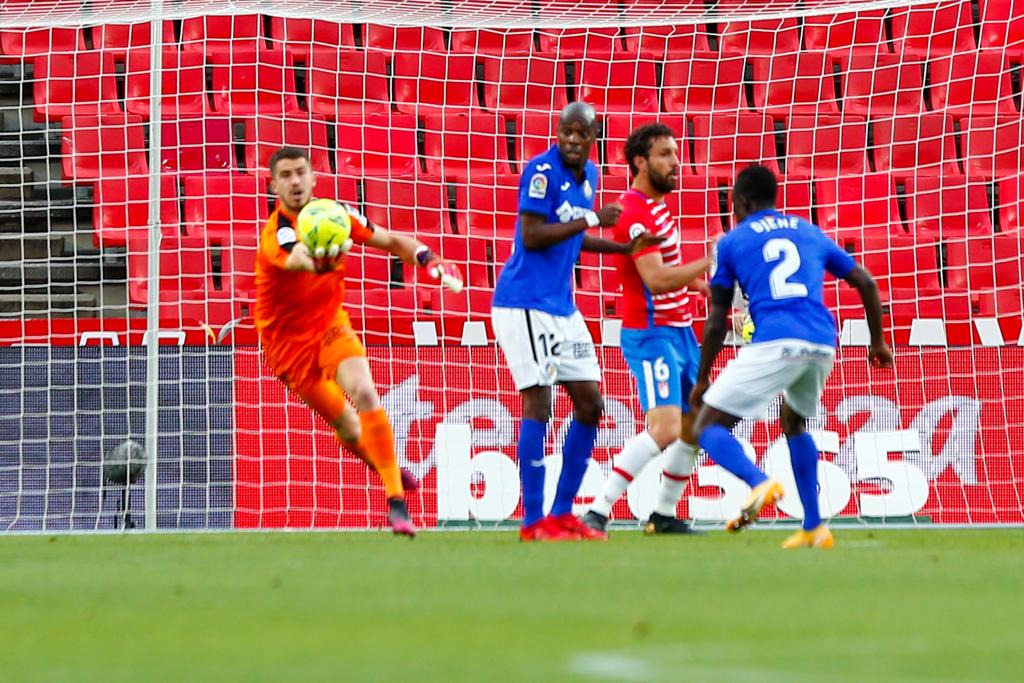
134	142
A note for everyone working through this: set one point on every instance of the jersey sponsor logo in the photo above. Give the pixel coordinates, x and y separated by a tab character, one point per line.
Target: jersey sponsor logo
583	350
567	212
636	230
286	235
538	186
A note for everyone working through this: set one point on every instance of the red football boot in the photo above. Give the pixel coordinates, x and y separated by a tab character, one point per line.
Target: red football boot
572	524
547	530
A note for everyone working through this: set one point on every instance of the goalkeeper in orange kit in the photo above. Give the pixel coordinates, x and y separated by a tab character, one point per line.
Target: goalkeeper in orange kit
306	335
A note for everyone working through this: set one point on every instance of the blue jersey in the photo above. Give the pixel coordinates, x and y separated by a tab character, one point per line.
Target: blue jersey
542	279
780	262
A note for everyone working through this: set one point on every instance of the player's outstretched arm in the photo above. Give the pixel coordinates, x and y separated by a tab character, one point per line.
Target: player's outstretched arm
714	339
540	235
599	245
415	253
660	278
879	353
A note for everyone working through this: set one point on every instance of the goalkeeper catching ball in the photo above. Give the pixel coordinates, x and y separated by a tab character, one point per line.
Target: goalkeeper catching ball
305	332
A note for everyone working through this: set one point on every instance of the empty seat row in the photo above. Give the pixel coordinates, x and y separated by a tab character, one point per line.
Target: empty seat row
938	28
458	146
343	82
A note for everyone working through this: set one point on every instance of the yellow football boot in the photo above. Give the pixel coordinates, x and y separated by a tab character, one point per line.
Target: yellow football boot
818	537
765	493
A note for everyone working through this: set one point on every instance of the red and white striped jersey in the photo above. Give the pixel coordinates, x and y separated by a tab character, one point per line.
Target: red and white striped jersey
641	308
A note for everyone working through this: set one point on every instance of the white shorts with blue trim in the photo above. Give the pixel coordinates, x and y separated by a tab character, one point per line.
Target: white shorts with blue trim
750	382
543	349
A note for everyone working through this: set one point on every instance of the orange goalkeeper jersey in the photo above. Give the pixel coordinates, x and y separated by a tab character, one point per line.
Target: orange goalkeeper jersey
295	308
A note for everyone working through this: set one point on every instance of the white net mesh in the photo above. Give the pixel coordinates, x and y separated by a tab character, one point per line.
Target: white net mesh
895	126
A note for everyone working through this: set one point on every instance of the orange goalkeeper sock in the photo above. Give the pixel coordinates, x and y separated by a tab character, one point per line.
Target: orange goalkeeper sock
378	442
355	447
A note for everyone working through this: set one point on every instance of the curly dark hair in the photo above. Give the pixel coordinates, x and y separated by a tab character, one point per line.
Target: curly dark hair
640	141
758	185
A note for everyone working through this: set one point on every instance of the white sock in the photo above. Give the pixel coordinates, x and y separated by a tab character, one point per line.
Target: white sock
680	458
635	454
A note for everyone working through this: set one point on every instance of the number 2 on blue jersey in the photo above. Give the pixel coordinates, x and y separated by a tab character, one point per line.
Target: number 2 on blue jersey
779	248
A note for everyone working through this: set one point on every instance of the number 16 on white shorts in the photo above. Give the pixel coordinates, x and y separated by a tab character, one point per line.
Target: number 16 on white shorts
543	349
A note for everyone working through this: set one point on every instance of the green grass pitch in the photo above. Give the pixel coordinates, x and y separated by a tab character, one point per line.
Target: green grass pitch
888	605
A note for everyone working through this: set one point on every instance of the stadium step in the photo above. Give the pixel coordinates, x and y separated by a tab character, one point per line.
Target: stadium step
14	180
38	215
46	305
57	273
17	247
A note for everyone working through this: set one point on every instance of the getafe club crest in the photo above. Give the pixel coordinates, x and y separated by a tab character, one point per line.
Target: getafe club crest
588	191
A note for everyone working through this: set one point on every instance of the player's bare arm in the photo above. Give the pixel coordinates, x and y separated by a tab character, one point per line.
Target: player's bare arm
879	353
538	234
660	278
599	245
415	253
711	345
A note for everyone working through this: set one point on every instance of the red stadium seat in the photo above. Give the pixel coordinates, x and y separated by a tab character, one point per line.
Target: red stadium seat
468	253
853	207
346	82
535	133
368	268
972	84
881	85
611	189
418	206
496	42
984	262
994	147
265	135
1002	26
300	37
196	146
915	145
947	206
598	272
725	144
666	42
794	197
461	145
952	307
926	30
801	83
573	43
213	34
404	39
624	84
340	187
695	207
433	82
768	37
515	85
488	207
121	209
227	207
17	45
250	82
380	145
94	148
707	83
826	146
899	261
1005	305
1011	203
118	39
846	33
185	269
183	83
77	84
617	128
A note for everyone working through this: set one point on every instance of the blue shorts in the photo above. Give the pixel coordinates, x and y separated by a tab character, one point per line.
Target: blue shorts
664	361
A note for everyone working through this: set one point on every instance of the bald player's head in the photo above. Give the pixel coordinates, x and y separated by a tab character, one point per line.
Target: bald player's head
577	130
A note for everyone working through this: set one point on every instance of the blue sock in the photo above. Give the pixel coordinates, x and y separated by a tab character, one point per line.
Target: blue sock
531	468
804	456
579	444
724	449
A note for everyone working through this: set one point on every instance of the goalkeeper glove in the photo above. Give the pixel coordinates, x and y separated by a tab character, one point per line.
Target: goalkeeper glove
439	269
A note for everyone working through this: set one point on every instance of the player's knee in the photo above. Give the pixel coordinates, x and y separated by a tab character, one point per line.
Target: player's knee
665	432
589	411
792	423
537	404
347	426
365	397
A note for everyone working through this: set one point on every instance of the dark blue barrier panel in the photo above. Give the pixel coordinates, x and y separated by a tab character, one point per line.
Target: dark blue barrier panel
63	407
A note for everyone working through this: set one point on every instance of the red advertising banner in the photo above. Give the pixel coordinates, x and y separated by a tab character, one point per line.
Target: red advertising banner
939	439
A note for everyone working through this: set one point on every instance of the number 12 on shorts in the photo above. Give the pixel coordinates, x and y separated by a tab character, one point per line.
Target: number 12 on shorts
549	344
